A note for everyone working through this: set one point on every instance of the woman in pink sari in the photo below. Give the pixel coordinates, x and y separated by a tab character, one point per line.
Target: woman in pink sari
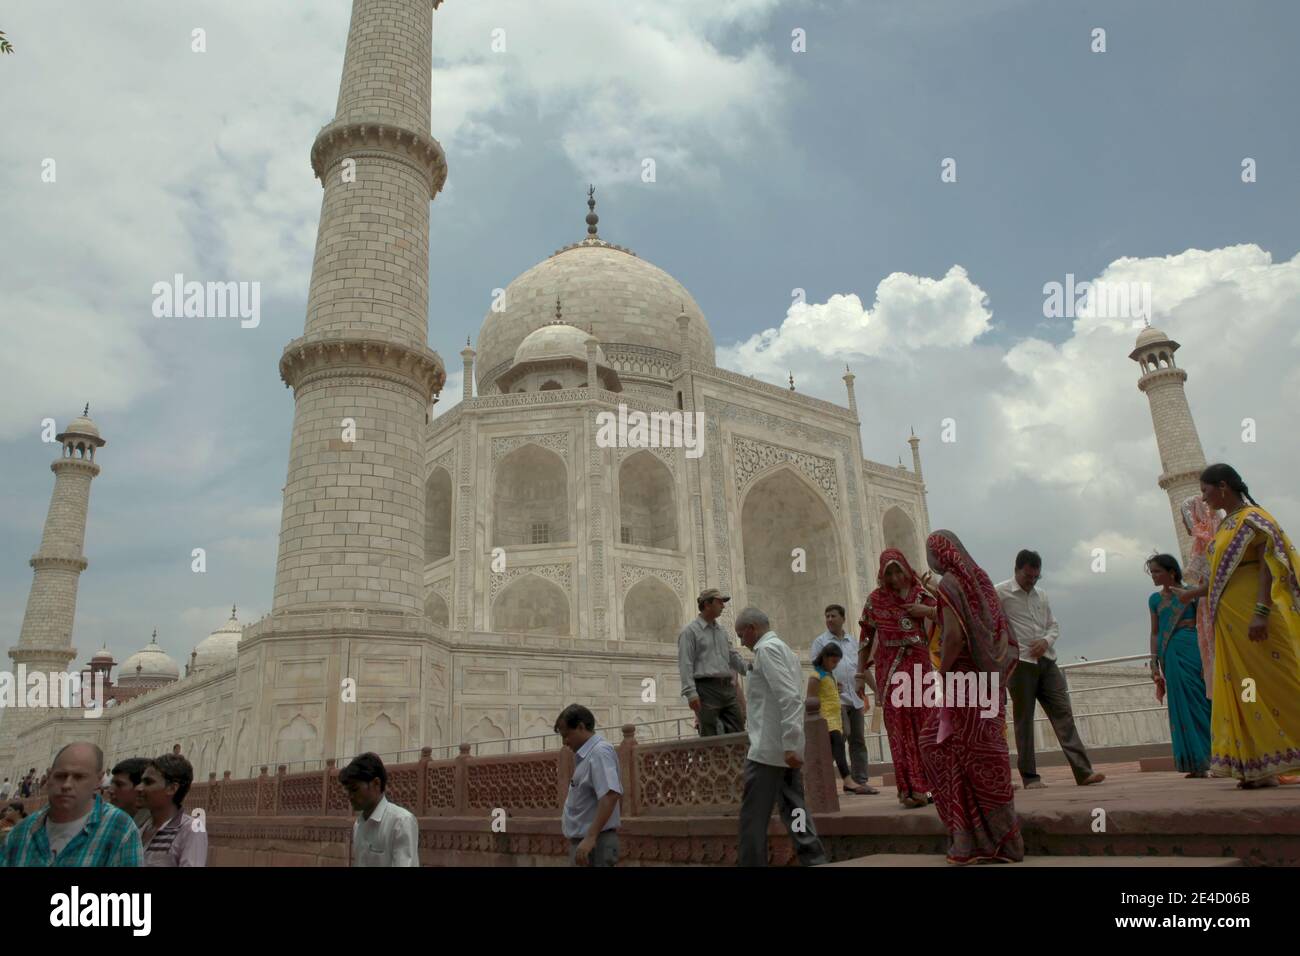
963	747
1201	523
896	624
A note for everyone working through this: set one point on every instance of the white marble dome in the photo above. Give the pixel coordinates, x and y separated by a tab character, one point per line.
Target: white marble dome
1150	334
556	341
221	646
623	299
81	425
155	666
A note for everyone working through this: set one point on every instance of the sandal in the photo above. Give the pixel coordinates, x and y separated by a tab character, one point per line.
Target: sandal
854	788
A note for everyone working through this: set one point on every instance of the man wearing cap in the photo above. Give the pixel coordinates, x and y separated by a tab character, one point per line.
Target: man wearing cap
708	664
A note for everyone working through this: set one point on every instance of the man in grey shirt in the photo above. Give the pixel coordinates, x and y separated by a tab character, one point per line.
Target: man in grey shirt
590	820
708	664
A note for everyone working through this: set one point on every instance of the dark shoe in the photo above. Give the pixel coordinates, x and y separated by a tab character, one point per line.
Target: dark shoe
1095	778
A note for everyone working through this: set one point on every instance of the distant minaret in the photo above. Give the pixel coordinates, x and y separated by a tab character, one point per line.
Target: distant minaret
1181	457
45	642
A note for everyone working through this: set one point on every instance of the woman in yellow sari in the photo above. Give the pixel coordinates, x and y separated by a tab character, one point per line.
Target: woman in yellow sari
1254	599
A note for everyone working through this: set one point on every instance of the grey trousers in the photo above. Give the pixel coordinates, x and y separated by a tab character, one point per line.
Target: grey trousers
1045	684
604	853
719	707
855	726
767	787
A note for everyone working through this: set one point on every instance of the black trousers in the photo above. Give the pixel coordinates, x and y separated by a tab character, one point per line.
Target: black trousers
1044	683
719	706
767	787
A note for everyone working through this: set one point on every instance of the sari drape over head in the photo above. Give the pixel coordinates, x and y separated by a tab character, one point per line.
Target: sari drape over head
1259	736
902	647
965	752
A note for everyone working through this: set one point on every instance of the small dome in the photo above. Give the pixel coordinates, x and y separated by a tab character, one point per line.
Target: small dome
221	646
1150	334
83	426
151	664
102	655
554	341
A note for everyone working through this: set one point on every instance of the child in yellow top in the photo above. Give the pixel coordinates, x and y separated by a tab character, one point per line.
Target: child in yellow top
824	687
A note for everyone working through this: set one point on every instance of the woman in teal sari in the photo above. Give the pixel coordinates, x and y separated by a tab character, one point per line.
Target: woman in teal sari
1176	667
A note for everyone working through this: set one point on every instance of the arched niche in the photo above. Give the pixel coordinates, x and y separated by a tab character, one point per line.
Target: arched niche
437	516
530	499
381	736
781	512
900	532
435	608
531	605
647	507
297	741
652	612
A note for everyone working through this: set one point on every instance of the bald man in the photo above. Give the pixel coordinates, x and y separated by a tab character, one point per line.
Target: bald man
77	827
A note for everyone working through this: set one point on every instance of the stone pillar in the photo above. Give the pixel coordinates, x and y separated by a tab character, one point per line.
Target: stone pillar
45	640
1181	457
350	569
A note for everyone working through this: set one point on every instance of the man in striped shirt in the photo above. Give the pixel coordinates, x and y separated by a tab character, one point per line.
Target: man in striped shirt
171	837
76	828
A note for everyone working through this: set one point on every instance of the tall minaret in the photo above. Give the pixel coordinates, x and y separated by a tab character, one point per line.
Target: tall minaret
45	642
1181	457
351	556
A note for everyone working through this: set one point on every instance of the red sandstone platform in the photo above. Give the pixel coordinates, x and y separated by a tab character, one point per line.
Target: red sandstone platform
1160	817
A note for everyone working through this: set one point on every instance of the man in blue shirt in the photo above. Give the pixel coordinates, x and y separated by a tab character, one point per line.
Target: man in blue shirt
590	820
77	827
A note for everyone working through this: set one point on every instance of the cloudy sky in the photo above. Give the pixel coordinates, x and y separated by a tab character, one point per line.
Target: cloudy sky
776	171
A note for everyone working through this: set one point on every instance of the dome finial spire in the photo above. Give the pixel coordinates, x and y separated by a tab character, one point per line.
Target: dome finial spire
232	612
592	218
86	411
792	381
558	316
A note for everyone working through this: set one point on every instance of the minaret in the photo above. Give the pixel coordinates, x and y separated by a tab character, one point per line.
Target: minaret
848	385
1181	458
45	641
916	466
467	368
351	555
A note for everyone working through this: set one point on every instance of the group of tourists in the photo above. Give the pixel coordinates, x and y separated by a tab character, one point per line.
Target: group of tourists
132	816
1225	639
1225	649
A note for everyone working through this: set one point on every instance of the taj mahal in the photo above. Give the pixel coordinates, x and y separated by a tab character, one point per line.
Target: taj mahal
461	577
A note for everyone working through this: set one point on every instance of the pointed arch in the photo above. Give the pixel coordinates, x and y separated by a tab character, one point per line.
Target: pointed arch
652	612
530	498
436	609
297	741
647	502
781	512
531	605
381	736
900	532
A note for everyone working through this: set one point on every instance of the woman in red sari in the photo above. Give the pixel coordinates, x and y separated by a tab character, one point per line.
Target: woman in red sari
896	624
963	748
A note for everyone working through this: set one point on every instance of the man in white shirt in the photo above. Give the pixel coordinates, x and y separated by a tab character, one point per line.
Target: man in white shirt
1037	678
384	834
776	746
